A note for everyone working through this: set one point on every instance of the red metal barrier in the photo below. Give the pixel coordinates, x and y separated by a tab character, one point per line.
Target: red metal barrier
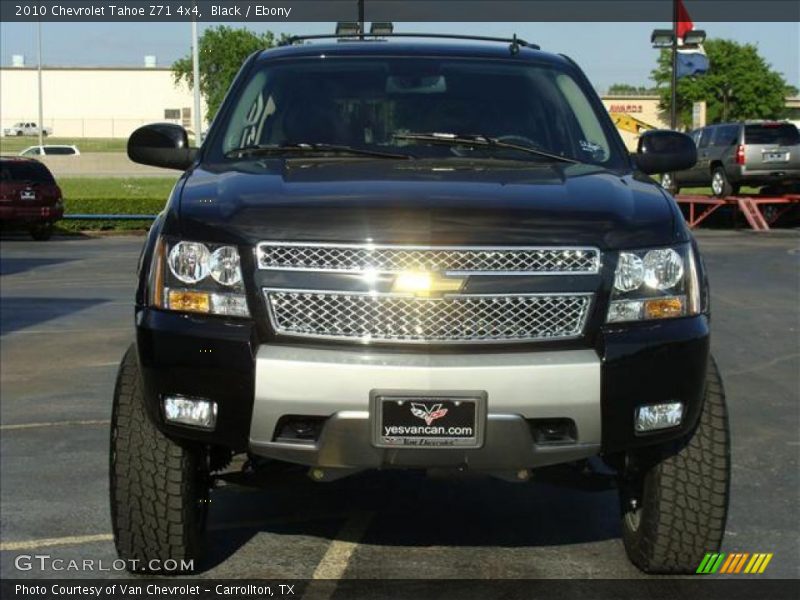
701	207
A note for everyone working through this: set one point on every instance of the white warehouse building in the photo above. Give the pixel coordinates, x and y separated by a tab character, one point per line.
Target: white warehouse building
94	101
110	102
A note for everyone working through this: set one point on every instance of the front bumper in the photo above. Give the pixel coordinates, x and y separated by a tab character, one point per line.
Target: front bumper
255	384
337	384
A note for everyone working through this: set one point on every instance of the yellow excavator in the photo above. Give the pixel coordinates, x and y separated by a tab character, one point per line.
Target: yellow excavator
626	122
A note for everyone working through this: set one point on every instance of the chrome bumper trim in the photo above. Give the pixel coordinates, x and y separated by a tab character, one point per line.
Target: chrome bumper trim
336	383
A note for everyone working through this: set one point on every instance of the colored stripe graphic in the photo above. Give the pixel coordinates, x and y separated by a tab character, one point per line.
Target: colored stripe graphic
735	562
758	563
765	563
719	562
710	563
741	562
732	560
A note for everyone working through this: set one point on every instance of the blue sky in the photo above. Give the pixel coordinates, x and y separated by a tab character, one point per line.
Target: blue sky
608	52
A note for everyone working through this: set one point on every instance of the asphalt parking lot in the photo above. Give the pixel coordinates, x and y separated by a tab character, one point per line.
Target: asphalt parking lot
66	319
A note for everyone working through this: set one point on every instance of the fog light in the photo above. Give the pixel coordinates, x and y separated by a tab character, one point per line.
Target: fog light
658	416
196	412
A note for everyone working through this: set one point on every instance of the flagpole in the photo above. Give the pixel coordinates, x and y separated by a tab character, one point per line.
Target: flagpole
673	106
39	71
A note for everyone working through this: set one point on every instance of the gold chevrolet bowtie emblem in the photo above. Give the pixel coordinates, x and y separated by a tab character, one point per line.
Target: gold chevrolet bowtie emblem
426	283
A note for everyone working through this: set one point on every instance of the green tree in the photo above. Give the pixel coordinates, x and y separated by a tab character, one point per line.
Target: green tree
623	89
738	85
222	51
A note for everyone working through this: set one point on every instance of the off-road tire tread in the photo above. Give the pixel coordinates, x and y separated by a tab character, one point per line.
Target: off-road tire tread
154	487
685	495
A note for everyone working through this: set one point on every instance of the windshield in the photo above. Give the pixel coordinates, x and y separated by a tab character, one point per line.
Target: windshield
378	104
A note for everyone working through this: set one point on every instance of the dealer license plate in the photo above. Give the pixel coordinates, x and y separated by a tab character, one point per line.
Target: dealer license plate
776	157
414	420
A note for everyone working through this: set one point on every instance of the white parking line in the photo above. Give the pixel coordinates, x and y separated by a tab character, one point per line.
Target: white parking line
55	424
54	331
336	553
334	562
61	541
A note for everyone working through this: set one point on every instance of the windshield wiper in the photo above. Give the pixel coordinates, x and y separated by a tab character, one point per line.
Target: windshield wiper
306	147
478	141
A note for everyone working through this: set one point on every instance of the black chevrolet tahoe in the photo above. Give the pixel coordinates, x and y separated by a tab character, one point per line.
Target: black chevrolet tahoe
399	254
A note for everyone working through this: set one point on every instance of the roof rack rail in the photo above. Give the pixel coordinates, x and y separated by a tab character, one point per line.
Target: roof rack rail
515	42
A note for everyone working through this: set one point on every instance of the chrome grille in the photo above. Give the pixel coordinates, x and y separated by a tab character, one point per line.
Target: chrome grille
359	258
457	318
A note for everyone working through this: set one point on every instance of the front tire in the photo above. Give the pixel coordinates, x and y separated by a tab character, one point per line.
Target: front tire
669	184
675	510
158	488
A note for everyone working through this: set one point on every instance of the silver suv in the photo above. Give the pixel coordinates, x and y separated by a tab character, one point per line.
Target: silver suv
730	155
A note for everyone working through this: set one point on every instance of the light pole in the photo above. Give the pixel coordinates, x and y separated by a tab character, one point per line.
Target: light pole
196	82
727	92
41	109
668	38
673	104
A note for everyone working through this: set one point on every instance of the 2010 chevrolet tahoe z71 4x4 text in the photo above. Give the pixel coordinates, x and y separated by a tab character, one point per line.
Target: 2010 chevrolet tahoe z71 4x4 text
391	254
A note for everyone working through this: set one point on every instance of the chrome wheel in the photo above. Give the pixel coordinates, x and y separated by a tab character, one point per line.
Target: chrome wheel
717	184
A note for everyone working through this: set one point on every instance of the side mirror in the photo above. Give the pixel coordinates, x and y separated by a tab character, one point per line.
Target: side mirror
161	145
664	151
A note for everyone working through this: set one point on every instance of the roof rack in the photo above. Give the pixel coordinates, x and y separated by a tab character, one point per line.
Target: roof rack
515	42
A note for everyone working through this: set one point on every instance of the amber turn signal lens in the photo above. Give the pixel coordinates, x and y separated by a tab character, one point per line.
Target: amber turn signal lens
189	301
663	308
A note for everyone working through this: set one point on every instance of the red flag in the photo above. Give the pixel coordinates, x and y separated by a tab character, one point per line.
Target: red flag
685	23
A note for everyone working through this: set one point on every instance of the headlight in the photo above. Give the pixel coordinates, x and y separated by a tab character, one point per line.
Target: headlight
663	269
659	283
630	272
198	278
224	266
188	261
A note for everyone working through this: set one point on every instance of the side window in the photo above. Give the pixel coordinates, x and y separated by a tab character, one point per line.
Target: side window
705	137
725	136
593	141
254	107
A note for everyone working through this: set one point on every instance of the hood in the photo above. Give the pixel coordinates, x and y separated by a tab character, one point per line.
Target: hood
449	202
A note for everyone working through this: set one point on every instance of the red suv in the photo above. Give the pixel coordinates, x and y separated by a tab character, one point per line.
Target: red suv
29	196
